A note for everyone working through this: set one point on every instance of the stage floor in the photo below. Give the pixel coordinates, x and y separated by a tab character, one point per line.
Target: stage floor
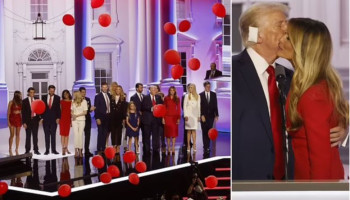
46	173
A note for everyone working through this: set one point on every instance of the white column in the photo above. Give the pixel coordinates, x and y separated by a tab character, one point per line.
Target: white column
141	59
3	86
150	39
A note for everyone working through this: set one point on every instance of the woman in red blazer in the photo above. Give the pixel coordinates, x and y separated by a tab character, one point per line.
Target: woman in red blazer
315	102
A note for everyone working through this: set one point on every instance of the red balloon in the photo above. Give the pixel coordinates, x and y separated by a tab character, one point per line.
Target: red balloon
172	57
89	53
64	190
141	166
113	171
3	188
184	25
110	152
219	10
169	28
129	157
213	133
159	110
194	64
211	181
105	177
177	71
97	3
68	20
104	20
38	107
98	161
134	179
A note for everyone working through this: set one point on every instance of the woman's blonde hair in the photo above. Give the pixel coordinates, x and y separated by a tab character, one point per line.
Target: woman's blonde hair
312	45
128	109
194	92
253	17
77	98
122	94
111	90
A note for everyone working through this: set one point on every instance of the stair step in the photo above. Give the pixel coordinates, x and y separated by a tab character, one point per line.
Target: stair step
223	178
210	197
219	188
222	169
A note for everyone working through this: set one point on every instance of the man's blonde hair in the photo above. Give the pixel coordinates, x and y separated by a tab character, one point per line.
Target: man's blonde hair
252	17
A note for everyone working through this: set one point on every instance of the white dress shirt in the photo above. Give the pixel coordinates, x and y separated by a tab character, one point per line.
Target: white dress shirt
261	66
207	96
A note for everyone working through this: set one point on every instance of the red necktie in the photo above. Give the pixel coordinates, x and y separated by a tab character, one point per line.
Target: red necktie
50	102
153	101
31	101
276	124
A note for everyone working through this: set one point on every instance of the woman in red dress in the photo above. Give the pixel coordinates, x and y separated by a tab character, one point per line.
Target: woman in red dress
65	122
315	102
14	119
172	118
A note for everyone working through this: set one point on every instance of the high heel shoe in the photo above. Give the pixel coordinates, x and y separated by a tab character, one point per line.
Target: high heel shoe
64	151
76	153
67	151
137	149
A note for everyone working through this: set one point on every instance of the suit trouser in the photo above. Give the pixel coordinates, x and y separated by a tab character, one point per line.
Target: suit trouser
78	129
116	134
208	124
87	133
161	134
50	134
32	129
103	130
151	130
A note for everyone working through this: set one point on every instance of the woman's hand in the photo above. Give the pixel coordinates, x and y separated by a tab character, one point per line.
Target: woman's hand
163	121
186	119
178	121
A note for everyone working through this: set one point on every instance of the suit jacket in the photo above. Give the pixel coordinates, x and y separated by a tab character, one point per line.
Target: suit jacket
252	141
50	115
27	112
315	159
101	107
88	116
135	98
209	110
118	112
216	74
146	106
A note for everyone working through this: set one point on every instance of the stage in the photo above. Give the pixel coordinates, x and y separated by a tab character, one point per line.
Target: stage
41	175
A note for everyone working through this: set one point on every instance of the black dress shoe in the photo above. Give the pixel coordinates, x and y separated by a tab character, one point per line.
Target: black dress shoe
37	152
46	153
55	152
27	152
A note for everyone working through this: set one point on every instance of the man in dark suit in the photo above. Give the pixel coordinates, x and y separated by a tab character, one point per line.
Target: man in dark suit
102	116
51	118
213	72
209	114
151	123
257	152
87	129
30	121
137	99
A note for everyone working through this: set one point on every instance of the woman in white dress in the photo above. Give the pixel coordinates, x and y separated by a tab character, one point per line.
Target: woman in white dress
192	115
79	109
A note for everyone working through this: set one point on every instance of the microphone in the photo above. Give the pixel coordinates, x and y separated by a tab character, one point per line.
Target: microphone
280	74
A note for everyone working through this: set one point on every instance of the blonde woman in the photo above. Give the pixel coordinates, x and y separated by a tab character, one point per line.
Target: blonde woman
112	91
192	115
118	115
79	109
315	102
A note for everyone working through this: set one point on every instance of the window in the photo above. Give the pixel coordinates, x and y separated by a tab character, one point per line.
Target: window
183	79
226	30
39	55
106	8
103	69
181	9
236	36
38	6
